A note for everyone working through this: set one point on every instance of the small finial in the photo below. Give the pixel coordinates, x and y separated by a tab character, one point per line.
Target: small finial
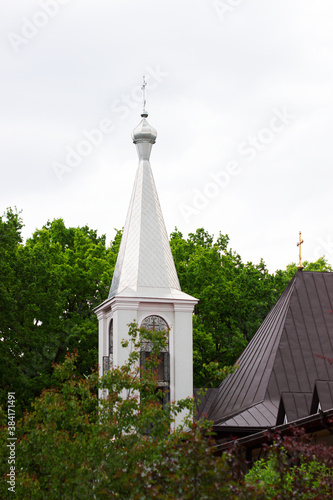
299	244
144	113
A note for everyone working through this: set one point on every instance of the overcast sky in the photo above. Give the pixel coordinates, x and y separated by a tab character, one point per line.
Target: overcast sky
241	95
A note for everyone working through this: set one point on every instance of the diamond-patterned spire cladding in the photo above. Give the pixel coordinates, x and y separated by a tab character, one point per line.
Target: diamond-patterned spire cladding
145	259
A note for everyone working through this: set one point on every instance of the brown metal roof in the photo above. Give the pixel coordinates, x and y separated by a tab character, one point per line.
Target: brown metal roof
259	415
323	394
295	405
311	424
283	359
203	403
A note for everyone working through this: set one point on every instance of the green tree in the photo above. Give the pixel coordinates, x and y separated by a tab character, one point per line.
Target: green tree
234	298
72	446
69	446
10	287
49	287
282	277
294	467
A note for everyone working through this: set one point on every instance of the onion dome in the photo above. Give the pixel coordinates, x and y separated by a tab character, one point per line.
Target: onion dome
144	132
144	136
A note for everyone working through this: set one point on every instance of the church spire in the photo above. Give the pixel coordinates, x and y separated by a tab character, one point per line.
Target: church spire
145	265
145	286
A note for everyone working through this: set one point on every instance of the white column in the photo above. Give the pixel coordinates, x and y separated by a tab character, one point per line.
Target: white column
102	339
183	354
102	343
124	313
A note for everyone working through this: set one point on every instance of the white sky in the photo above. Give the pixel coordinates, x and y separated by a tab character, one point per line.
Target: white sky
221	76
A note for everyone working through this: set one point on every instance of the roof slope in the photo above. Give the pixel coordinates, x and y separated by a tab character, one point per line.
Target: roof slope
283	357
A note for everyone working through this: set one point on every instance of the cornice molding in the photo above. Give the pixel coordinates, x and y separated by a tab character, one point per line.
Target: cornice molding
130	303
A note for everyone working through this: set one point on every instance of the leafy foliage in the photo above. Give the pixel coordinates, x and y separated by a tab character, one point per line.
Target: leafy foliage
234	298
294	468
69	446
50	285
48	289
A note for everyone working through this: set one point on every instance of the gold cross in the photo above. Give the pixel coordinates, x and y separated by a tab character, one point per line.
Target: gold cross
299	244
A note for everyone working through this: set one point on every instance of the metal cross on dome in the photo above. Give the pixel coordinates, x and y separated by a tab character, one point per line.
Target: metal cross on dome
143	88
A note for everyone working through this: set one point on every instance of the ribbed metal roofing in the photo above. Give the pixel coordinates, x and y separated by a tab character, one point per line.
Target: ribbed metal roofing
283	359
295	405
145	265
325	394
203	403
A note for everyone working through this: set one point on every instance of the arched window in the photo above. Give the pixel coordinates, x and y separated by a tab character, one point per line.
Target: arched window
163	370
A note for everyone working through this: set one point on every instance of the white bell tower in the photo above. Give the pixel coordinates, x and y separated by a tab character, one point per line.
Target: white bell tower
145	285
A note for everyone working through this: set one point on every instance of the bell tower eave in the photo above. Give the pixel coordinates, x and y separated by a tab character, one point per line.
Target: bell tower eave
184	302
